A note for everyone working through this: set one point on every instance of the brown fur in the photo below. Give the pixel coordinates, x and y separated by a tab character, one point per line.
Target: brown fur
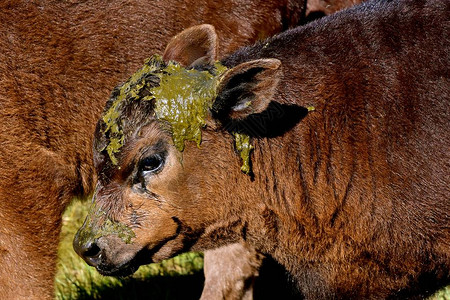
327	7
59	61
353	200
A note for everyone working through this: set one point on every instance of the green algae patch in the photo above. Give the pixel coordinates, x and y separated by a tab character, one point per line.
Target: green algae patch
98	224
244	147
132	89
183	99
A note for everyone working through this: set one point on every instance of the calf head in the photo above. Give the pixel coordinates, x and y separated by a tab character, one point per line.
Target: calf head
164	159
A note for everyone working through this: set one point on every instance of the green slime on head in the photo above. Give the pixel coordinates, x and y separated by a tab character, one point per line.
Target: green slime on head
183	99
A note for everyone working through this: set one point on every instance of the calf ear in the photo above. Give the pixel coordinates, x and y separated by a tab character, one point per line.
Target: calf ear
246	89
195	45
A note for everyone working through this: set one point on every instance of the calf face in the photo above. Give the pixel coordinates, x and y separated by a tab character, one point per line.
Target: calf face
150	143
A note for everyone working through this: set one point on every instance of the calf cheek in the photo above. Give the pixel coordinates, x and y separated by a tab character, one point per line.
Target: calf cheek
153	224
168	210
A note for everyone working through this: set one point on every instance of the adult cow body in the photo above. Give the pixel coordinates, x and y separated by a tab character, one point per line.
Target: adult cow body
59	61
347	123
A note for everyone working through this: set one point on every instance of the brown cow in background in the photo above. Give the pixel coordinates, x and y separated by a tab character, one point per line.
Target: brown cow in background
346	146
58	62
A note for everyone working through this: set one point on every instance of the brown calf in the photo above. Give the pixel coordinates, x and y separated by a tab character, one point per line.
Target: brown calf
59	61
342	127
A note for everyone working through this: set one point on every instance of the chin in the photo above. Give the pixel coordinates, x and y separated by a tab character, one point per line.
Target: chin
126	268
121	271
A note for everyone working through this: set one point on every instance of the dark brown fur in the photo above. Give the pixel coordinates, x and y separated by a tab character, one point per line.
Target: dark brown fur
353	200
59	61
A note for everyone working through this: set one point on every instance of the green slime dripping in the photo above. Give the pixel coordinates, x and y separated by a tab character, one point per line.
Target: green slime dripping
243	146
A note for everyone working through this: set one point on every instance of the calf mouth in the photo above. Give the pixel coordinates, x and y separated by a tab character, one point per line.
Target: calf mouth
145	256
126	268
120	271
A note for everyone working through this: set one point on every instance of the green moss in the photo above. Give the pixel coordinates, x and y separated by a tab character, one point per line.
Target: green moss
244	147
183	99
111	227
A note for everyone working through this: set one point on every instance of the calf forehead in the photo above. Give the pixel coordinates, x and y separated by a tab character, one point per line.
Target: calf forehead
158	91
183	99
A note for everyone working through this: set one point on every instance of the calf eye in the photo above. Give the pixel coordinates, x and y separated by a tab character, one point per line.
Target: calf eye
151	164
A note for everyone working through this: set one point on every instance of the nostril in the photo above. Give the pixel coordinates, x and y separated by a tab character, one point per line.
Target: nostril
91	250
86	246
